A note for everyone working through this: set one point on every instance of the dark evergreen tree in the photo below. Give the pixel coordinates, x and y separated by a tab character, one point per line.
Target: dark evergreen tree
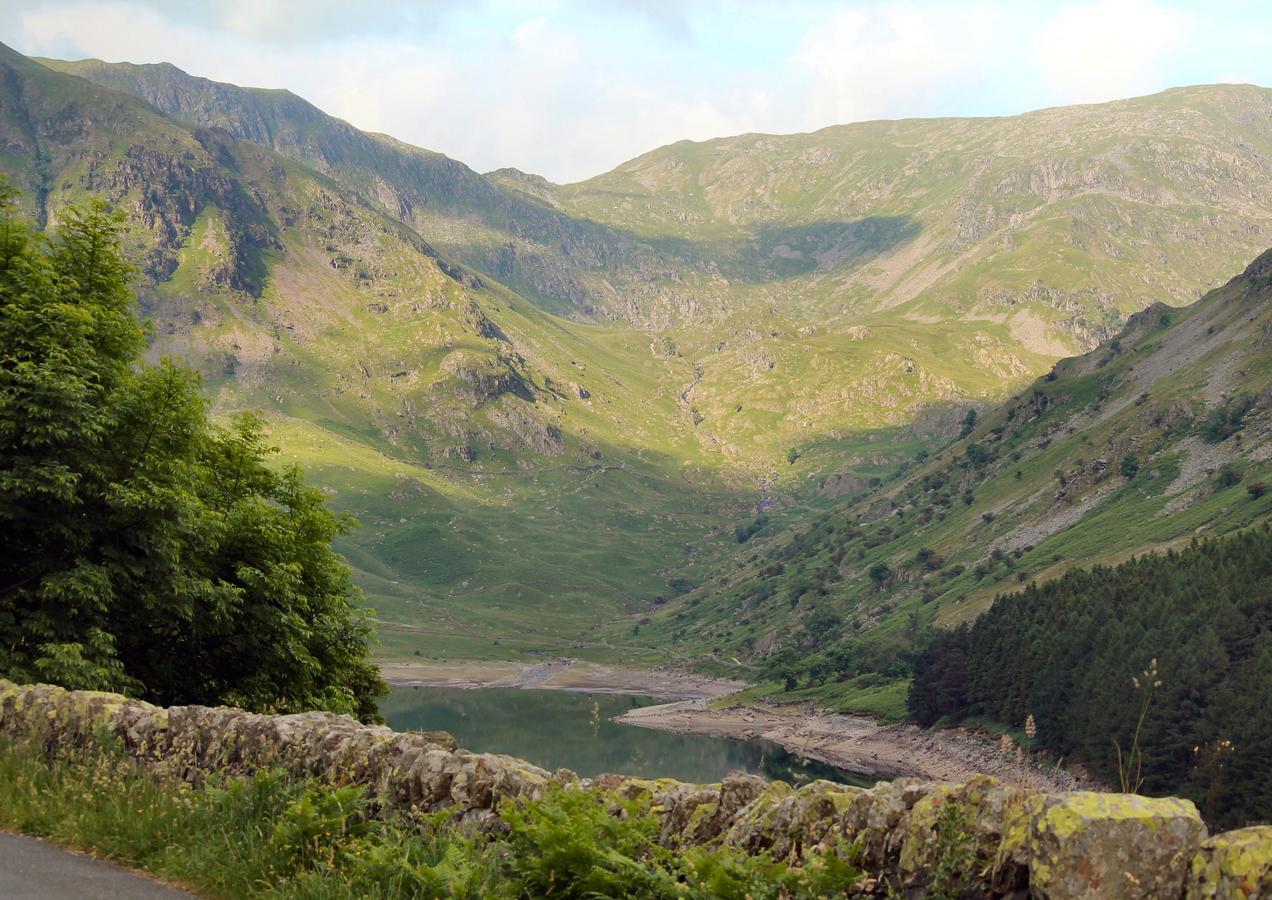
1076	653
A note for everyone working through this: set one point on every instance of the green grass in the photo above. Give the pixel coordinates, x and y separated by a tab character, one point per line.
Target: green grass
265	836
270	835
867	695
990	528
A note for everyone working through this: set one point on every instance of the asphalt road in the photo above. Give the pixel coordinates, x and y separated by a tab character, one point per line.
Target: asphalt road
31	869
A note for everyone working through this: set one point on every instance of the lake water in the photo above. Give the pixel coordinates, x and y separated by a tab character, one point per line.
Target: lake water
564	729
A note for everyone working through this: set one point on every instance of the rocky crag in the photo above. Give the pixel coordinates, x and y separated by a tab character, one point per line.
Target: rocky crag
1005	841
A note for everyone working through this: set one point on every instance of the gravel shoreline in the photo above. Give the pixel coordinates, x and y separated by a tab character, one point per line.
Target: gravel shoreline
861	745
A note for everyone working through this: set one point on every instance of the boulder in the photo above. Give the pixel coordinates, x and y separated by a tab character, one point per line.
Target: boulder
876	818
1237	865
1083	844
958	829
784	822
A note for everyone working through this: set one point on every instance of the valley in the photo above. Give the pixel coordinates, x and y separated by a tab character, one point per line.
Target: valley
652	450
552	406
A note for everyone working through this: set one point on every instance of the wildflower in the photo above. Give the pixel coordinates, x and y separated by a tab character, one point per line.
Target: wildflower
1031	727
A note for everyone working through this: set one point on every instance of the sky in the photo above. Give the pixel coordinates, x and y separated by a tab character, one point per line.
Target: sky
571	88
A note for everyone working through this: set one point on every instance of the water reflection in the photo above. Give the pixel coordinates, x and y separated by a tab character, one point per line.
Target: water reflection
560	729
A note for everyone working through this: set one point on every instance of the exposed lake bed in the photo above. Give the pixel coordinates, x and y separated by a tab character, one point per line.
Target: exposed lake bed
561	674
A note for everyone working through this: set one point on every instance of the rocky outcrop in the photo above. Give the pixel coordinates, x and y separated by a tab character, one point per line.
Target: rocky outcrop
981	839
484	378
1097	845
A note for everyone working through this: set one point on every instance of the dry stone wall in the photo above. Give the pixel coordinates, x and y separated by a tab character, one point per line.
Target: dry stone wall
1007	841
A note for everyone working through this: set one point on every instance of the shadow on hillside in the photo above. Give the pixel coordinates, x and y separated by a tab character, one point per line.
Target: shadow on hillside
779	252
767	254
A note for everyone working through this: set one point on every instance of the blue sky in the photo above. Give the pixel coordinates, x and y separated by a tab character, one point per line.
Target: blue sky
571	88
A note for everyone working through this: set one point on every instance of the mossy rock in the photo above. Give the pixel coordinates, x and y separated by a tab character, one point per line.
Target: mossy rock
1084	844
876	818
443	739
754	825
786	822
958	828
1235	865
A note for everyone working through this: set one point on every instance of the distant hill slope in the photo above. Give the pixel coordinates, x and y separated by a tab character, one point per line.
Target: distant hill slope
1073	213
756	322
828	284
566	264
1157	435
507	465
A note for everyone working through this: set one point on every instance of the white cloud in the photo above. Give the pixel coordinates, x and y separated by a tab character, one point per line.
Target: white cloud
569	88
889	60
1109	49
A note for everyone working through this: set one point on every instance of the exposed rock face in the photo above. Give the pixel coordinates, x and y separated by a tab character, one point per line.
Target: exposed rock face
983	838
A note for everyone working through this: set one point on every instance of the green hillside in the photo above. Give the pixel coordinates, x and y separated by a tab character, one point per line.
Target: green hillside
552	406
564	264
508	466
1156	436
827	284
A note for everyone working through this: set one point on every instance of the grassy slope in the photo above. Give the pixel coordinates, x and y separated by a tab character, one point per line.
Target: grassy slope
845	294
504	512
1051	495
801	276
884	267
522	547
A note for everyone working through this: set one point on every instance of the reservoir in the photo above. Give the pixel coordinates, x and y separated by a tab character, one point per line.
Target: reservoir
572	730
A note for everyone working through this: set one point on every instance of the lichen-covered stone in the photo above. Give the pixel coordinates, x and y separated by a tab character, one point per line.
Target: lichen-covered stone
65	717
709	819
876	818
784	822
962	824
683	808
755	821
1084	844
401	771
1235	865
997	839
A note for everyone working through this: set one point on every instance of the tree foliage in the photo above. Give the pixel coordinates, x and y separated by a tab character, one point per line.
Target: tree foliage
144	548
1074	654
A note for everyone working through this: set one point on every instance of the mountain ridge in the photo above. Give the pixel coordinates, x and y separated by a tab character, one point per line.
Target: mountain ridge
427	189
426	397
524	450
